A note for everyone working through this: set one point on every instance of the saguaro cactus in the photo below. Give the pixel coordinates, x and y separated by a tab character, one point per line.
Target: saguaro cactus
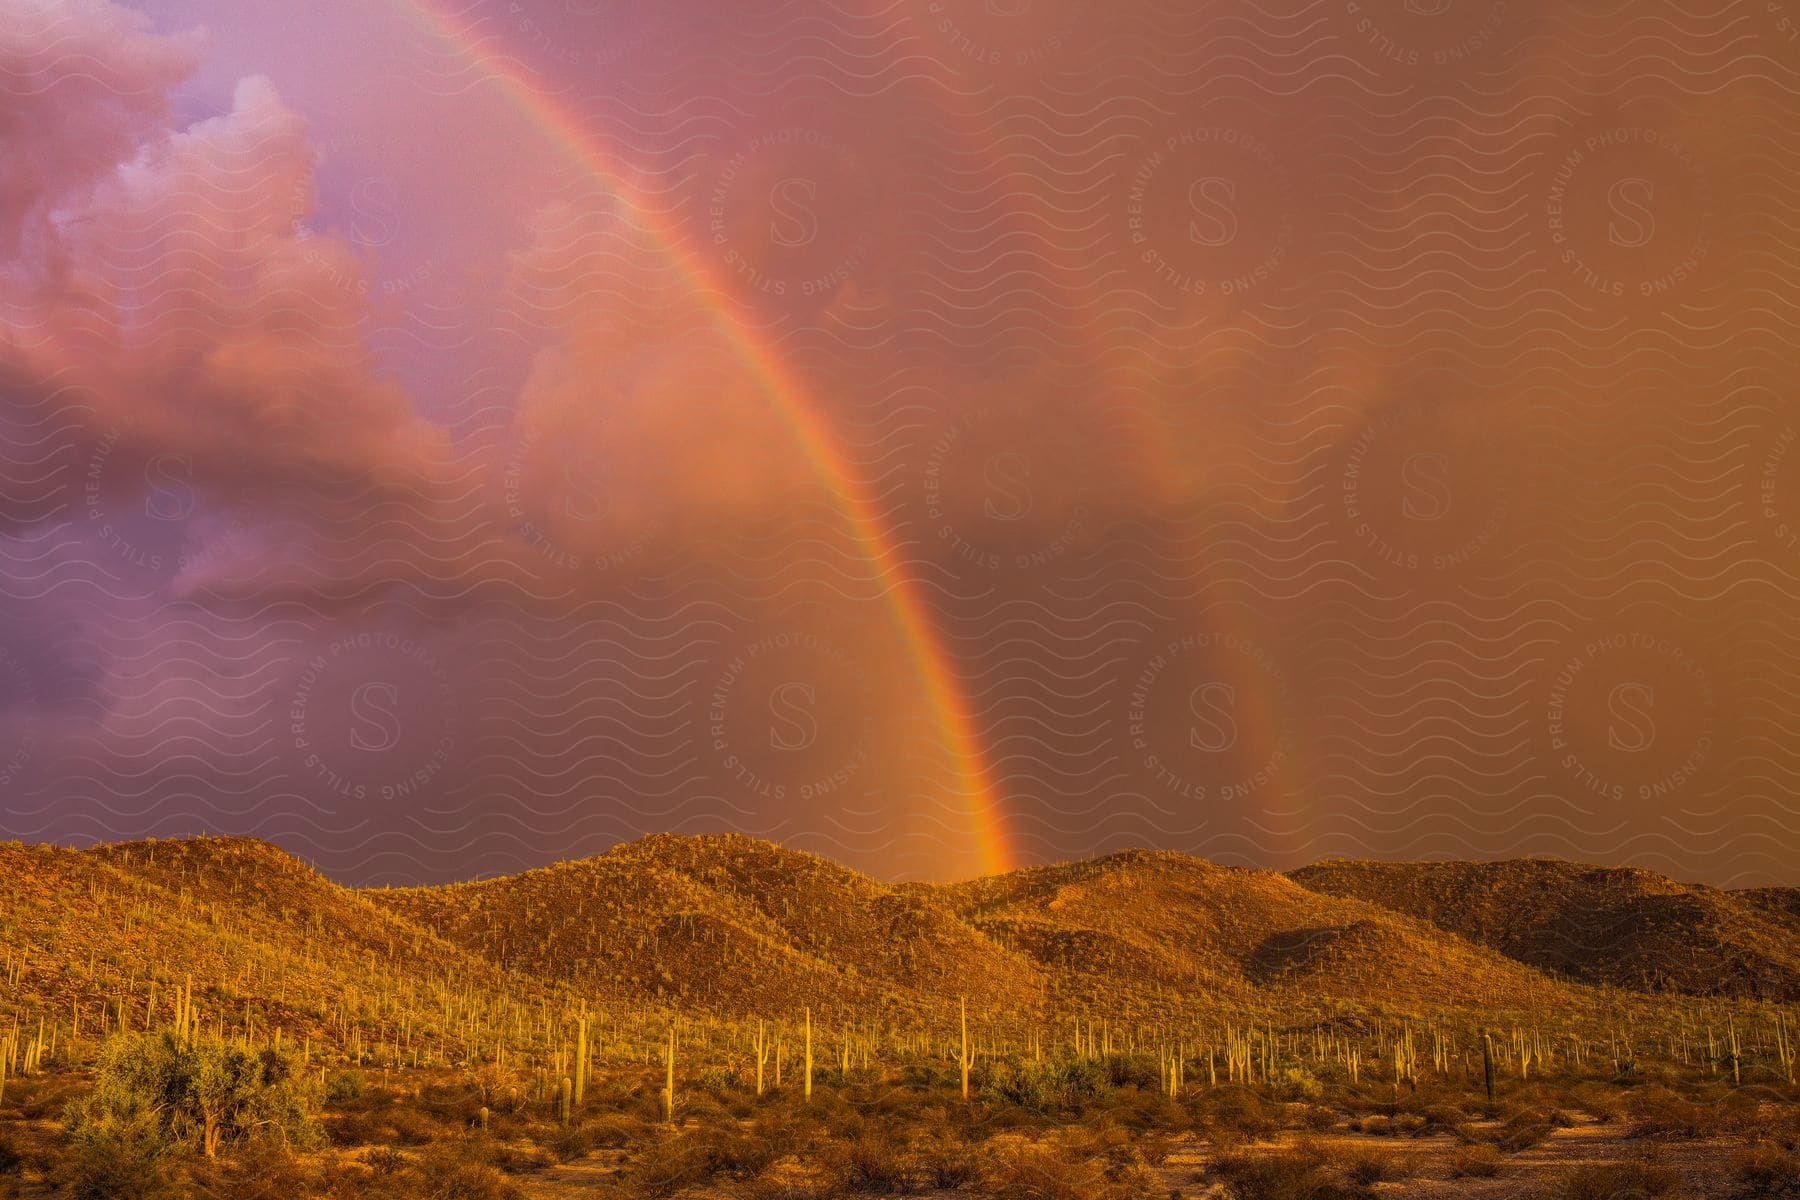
762	1054
581	1055
669	1078
965	1058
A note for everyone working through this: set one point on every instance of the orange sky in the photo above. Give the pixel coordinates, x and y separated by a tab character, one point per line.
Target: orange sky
445	435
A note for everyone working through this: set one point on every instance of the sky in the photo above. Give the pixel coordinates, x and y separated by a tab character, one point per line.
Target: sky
448	436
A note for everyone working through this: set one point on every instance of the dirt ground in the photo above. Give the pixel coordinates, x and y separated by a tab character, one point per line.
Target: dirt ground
1422	1166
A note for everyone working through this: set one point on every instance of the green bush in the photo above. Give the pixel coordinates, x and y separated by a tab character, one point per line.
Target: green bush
151	1087
344	1085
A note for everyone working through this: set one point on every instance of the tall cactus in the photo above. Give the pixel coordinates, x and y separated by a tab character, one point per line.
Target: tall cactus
581	1060
809	1054
669	1078
965	1057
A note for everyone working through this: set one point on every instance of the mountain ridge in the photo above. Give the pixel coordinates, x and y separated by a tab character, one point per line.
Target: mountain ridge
730	926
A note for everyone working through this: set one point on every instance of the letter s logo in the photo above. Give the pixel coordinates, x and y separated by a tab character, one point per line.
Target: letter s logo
1212	202
375	217
1009	491
583	498
171	490
1632	730
791	706
1211	704
794	222
373	707
1633	224
1426	476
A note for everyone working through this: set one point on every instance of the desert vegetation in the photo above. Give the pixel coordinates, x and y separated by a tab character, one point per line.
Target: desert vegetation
723	1017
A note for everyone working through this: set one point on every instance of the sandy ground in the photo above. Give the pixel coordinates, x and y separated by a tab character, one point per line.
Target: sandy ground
1422	1164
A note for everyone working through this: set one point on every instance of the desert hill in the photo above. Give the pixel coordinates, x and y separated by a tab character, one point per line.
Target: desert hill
262	941
729	926
1623	927
723	923
1183	926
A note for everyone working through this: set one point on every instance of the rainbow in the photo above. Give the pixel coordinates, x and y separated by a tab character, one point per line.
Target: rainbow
805	419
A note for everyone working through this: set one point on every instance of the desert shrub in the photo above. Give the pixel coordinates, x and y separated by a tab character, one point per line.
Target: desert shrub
1367	1167
1661	1113
1523	1136
1298	1083
1123	1070
1027	1085
1475	1162
116	1164
948	1165
1443	1118
1048	1173
456	1171
1153	1148
1044	1087
1297	1174
1385	1126
1620	1181
341	1086
1597	1102
929	1077
614	1131
872	1163
719	1080
384	1160
1767	1172
1524	1129
405	1125
1236	1110
668	1164
206	1092
262	1171
1316	1117
701	1108
45	1099
743	1154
